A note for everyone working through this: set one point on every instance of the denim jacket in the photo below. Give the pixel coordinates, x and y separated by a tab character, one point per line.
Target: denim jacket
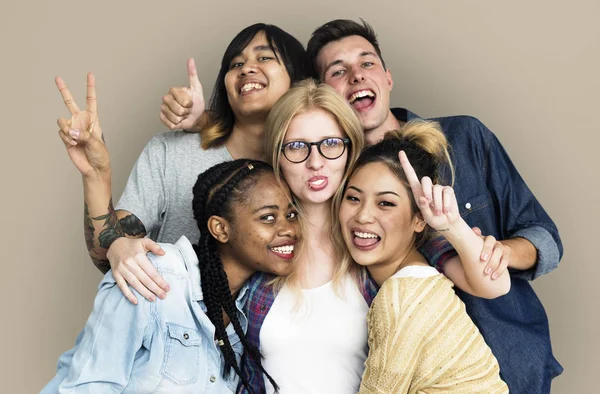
492	195
166	346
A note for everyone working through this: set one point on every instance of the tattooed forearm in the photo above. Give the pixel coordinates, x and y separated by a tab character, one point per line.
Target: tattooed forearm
112	228
102	265
88	228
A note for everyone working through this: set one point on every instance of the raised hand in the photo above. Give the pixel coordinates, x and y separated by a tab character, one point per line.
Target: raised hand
182	107
82	134
437	203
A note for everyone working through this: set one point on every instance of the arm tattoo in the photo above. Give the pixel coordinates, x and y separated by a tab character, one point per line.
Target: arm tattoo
102	265
112	228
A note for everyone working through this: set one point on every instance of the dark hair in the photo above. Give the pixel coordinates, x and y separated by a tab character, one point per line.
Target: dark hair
336	30
217	190
427	150
288	50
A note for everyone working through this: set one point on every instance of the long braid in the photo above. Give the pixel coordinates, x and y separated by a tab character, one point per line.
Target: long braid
214	194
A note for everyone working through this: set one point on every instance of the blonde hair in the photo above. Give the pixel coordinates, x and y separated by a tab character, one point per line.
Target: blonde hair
302	97
428	152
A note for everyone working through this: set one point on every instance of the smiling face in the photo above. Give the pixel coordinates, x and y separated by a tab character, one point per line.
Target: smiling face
378	223
351	66
316	179
263	228
255	80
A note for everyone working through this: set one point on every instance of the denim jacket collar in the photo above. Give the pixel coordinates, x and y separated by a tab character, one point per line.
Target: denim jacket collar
192	265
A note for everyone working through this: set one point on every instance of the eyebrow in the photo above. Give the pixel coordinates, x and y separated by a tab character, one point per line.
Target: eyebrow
265	207
383	193
339	61
262	48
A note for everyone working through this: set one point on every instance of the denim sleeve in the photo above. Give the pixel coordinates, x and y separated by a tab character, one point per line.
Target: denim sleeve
520	213
106	349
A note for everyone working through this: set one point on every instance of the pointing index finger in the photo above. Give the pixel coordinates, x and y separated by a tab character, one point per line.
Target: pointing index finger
411	175
66	95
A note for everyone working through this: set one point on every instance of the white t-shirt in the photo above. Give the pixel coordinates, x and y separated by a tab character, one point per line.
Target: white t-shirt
416	271
319	347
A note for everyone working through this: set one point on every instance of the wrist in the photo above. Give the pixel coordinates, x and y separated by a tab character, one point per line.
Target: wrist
98	175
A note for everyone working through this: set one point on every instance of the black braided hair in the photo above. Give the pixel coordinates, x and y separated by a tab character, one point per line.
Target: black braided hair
215	193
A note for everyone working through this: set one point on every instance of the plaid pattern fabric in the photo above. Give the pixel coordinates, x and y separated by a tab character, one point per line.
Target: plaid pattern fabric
437	251
260	300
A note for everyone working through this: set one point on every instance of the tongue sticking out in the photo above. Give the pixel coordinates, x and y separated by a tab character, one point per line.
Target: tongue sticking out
365	241
362	103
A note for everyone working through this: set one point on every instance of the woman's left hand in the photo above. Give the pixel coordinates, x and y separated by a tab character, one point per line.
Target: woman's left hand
437	203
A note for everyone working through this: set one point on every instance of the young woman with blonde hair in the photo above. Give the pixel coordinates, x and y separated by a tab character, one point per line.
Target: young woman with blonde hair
311	327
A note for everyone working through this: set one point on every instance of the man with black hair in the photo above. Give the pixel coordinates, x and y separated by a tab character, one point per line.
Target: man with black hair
490	192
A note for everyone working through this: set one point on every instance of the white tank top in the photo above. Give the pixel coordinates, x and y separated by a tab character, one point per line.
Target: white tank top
319	347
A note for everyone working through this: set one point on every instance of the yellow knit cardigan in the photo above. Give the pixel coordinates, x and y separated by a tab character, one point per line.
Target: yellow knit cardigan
421	340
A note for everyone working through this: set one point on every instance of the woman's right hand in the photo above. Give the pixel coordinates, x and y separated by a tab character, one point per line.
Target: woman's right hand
131	267
82	134
182	107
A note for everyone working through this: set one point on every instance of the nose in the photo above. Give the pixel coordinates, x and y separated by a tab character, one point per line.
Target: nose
249	67
364	214
315	161
288	229
357	74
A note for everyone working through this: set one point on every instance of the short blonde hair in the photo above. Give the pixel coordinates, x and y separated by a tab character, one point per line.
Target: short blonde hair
305	96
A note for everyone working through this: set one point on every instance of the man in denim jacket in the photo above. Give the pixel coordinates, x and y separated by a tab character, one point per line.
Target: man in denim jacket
491	195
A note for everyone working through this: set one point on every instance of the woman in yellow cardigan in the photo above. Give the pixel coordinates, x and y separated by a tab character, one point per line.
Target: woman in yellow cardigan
421	339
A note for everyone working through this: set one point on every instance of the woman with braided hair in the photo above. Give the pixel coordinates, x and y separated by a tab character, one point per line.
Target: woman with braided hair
191	341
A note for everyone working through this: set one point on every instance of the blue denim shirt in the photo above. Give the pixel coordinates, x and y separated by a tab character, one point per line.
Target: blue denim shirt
492	195
166	346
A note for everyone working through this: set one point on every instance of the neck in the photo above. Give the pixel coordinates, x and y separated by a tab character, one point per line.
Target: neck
317	215
247	140
375	135
317	264
236	273
383	271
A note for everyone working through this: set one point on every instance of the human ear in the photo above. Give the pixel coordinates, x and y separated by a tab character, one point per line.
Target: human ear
419	223
219	228
388	77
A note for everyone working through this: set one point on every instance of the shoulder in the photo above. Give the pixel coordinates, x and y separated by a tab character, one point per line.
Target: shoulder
463	125
179	259
406	290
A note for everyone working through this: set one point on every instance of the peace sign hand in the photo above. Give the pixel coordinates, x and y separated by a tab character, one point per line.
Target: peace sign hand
81	134
437	203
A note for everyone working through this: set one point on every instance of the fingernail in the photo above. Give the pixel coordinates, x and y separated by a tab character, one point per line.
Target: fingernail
134	301
74	133
494	276
488	270
152	298
485	257
167	288
162	296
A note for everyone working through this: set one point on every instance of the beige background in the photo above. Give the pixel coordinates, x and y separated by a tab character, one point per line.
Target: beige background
528	69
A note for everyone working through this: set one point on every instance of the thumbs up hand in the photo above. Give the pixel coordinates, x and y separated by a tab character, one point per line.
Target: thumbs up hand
182	107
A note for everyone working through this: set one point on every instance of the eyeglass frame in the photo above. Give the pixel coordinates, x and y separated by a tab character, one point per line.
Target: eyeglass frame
345	141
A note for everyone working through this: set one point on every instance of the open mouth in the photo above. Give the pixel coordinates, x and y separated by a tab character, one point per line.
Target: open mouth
251	86
284	251
365	240
362	99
